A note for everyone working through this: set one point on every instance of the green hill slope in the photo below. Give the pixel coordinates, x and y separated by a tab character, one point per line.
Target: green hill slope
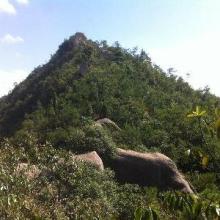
86	80
60	102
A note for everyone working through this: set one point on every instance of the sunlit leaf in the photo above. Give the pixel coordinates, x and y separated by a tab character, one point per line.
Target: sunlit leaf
197	113
205	161
202	113
187	152
217	211
191	115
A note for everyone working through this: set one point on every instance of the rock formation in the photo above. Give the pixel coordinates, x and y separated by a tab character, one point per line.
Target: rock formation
148	169
92	158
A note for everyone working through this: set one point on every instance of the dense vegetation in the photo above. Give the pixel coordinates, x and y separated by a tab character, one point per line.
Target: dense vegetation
52	115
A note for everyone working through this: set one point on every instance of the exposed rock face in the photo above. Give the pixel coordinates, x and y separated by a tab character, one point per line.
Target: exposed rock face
77	39
148	169
68	47
92	158
107	121
83	68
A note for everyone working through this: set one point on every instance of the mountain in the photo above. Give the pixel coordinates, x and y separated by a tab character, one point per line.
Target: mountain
24	98
87	80
61	102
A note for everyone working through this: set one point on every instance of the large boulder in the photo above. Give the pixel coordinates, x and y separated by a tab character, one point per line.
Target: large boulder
91	158
148	169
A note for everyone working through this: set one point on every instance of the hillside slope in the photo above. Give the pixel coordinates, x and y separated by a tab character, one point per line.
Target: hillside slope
54	113
86	80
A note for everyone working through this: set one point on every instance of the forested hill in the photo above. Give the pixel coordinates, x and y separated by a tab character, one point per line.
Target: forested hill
55	111
87	80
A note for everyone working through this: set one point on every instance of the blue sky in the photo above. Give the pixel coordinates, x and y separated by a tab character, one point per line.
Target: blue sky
183	34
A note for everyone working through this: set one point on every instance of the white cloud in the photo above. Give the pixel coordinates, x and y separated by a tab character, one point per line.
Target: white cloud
9	39
7	7
8	78
23	2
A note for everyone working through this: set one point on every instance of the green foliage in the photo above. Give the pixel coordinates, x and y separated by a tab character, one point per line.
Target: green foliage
191	207
197	113
147	214
68	189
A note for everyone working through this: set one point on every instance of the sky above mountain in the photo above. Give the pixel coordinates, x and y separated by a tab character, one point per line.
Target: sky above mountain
180	34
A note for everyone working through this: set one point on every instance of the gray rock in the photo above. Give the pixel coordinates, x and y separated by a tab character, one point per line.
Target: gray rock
148	169
91	158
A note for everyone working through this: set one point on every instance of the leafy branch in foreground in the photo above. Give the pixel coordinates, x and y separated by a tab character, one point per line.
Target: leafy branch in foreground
199	114
145	214
191	207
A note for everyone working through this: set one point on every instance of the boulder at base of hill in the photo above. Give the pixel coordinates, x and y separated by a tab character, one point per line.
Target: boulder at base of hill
148	169
91	158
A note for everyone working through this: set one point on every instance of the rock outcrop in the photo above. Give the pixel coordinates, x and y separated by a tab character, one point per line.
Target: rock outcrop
148	169
91	158
107	122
